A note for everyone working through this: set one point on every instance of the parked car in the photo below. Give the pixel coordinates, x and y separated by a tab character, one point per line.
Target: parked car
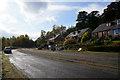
51	47
7	50
40	48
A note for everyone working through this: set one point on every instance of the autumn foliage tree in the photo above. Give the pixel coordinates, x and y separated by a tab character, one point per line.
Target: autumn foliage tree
70	43
21	41
86	37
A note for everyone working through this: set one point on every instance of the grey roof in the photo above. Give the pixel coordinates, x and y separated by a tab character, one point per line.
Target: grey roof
103	27
82	31
54	37
116	26
100	28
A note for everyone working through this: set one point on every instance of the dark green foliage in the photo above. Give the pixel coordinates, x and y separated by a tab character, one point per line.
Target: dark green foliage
104	48
111	12
82	19
85	20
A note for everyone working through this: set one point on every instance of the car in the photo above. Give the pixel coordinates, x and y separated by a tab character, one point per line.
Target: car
7	50
40	48
52	47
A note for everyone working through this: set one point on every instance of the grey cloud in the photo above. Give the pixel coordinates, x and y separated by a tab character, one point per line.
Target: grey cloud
35	7
6	34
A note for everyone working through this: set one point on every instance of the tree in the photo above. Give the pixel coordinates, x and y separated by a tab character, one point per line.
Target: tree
111	12
70	43
4	42
53	30
85	20
82	19
93	20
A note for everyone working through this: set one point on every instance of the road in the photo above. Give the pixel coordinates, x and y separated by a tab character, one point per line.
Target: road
41	67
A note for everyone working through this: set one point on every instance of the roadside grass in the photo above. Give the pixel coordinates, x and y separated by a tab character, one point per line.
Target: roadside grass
87	51
9	70
69	50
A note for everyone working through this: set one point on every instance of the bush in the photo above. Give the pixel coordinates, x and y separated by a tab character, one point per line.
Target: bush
85	37
98	42
104	48
70	44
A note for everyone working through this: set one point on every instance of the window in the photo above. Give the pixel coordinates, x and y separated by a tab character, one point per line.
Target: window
102	33
107	33
73	32
107	24
117	31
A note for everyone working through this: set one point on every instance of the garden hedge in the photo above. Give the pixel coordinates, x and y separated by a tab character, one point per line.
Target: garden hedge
104	48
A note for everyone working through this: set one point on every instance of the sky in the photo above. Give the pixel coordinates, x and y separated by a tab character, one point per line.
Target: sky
20	17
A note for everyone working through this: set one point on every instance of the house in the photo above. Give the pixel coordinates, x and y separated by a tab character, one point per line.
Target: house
78	34
108	29
58	36
55	38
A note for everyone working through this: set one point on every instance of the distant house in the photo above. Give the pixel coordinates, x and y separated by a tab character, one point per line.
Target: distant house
108	29
58	36
55	38
78	34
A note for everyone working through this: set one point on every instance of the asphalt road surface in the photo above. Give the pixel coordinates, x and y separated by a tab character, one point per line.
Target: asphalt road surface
41	67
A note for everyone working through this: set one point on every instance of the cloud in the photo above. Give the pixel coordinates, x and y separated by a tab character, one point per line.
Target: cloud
3	6
31	10
52	18
93	7
69	0
7	18
35	7
4	31
89	8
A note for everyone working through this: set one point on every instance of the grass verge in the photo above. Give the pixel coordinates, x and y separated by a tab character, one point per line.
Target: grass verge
87	51
9	70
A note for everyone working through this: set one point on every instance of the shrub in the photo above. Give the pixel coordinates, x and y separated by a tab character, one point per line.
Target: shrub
117	44
104	48
98	42
85	37
70	44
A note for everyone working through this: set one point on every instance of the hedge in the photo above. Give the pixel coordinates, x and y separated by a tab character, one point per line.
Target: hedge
103	48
